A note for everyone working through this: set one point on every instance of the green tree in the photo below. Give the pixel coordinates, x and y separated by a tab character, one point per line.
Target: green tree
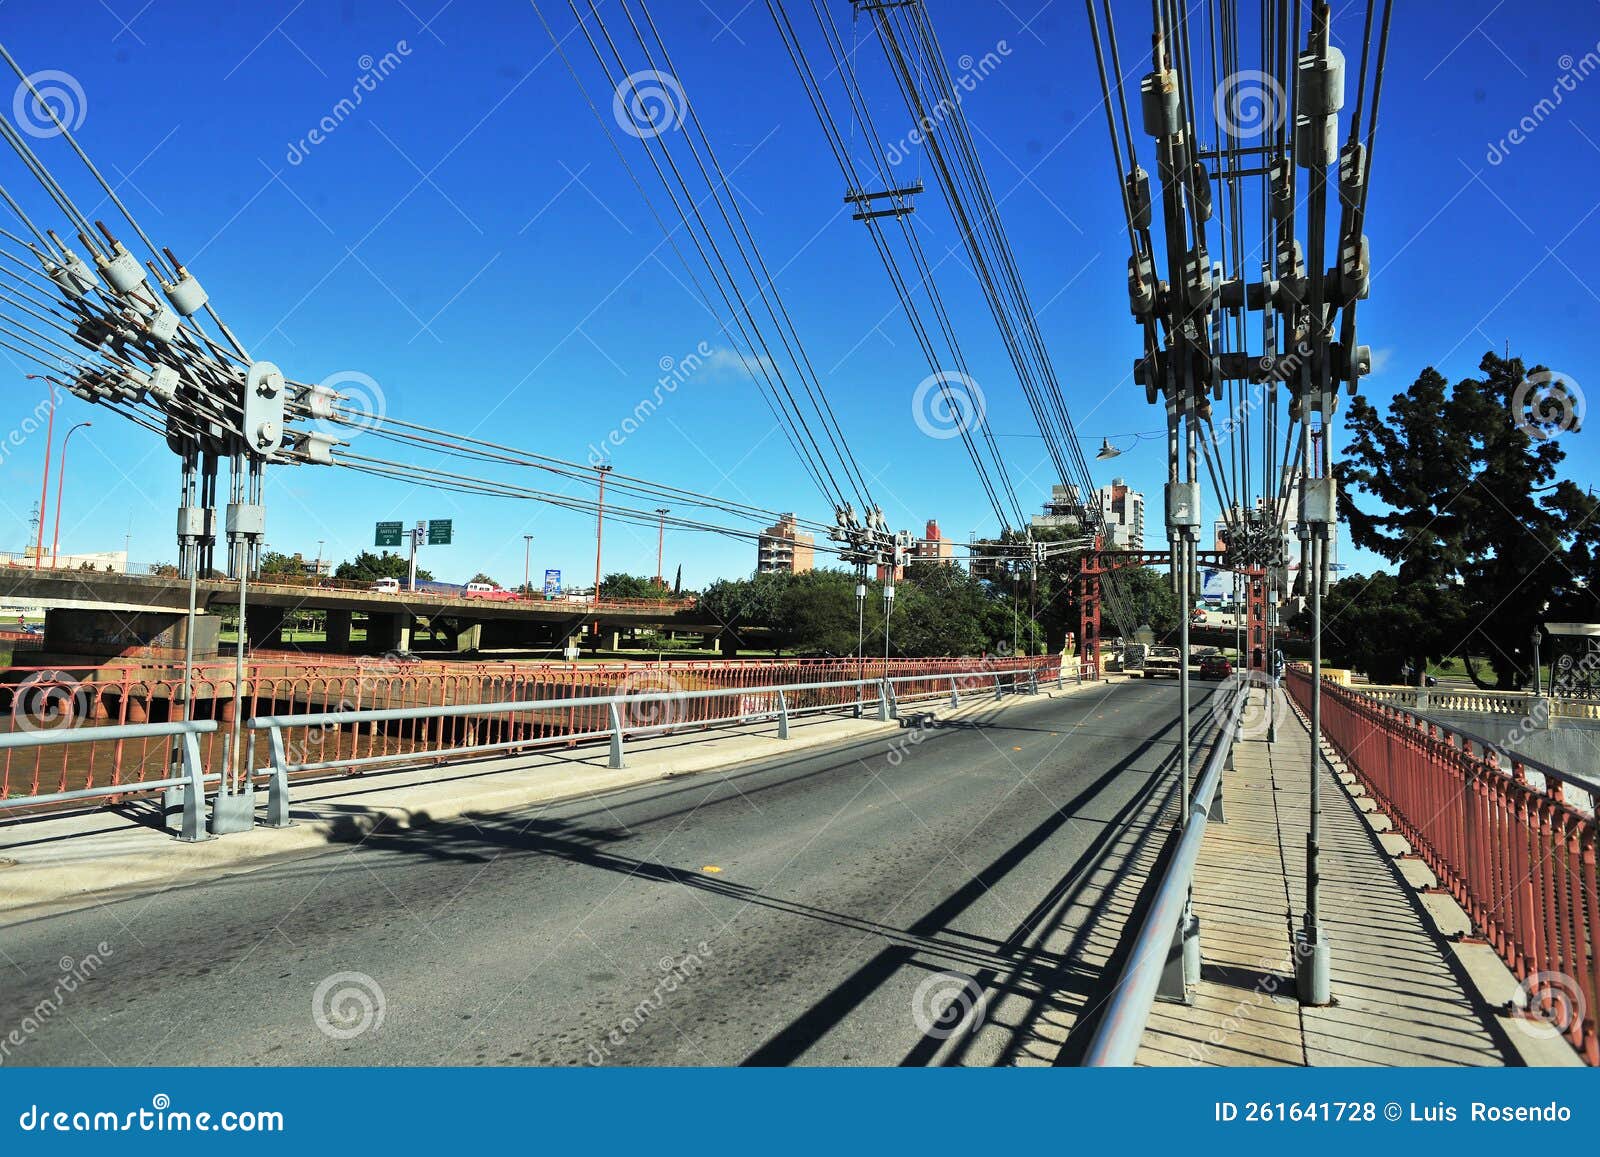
622	585
274	562
1380	625
367	567
1468	504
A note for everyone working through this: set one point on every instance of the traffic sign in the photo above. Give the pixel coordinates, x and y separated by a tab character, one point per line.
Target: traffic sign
388	534
552	583
439	532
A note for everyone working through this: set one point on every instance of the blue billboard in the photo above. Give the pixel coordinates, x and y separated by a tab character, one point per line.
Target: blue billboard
552	583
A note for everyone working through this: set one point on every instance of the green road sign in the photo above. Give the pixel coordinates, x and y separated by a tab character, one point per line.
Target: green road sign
439	532
388	534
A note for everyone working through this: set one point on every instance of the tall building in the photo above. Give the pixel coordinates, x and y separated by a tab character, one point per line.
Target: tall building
934	547
783	547
1064	510
1122	511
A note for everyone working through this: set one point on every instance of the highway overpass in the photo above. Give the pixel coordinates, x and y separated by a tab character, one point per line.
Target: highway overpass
142	616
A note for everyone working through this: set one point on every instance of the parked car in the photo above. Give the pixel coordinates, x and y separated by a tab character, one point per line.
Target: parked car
490	592
1215	667
386	586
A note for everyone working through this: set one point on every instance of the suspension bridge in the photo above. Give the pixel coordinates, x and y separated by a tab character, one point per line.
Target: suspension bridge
993	859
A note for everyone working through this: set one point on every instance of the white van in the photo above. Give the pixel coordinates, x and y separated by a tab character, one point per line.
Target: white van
386	586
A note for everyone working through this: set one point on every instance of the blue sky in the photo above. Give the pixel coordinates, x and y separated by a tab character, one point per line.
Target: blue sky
468	240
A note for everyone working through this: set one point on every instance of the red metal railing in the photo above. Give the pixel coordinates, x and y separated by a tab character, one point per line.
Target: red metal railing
86	697
1520	860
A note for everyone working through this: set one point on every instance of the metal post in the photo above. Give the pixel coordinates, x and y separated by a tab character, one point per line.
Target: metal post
616	737
955	693
998	693
861	635
883	700
599	539
661	541
193	829
278	784
783	716
1537	670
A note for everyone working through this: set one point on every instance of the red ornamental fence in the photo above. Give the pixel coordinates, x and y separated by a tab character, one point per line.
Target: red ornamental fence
1518	858
49	698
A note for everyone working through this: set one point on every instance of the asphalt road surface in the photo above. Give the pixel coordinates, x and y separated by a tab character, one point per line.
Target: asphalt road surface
846	906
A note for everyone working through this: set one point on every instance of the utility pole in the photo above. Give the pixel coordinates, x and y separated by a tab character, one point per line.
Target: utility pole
661	540
321	542
861	631
599	537
61	481
527	555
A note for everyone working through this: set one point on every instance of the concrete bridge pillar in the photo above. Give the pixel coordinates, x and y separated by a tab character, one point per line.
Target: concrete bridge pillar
389	631
338	632
730	646
468	637
264	626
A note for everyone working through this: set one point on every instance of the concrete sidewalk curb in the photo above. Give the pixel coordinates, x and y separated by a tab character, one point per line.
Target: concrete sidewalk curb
106	863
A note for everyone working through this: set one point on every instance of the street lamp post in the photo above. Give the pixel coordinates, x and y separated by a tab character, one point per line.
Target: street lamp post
861	632
44	483
527	555
61	480
661	541
888	608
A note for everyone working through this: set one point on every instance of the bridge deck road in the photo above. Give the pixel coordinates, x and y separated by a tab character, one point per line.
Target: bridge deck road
827	908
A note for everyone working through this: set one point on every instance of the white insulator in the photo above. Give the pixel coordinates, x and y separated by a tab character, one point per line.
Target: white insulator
185	295
123	272
162	325
163	382
320	400
1316	141
317	447
1320	83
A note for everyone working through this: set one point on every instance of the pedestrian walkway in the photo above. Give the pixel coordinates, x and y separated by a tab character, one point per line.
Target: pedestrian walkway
1405	993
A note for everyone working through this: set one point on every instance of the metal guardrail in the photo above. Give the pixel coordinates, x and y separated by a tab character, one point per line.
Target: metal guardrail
1509	703
1520	859
193	779
1165	956
774	702
778	701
